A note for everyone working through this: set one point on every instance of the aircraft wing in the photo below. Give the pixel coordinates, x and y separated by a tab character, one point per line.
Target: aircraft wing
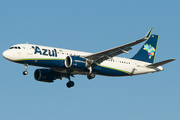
99	57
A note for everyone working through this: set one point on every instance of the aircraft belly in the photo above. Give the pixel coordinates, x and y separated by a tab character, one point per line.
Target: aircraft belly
143	70
43	62
114	69
107	69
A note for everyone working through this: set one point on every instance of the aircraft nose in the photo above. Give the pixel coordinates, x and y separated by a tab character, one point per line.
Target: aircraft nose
7	55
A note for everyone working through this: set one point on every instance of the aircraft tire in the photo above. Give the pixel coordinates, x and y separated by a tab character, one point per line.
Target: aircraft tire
25	72
91	76
70	84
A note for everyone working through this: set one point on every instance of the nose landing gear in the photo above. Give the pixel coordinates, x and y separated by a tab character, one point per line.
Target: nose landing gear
25	72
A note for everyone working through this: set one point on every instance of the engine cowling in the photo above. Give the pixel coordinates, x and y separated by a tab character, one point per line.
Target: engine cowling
75	62
44	75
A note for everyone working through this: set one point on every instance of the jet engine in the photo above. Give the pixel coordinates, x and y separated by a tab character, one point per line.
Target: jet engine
76	62
45	75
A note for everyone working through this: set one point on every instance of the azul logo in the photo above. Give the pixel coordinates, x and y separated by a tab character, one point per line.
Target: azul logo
46	52
150	50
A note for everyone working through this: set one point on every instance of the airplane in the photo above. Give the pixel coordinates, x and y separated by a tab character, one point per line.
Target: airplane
58	63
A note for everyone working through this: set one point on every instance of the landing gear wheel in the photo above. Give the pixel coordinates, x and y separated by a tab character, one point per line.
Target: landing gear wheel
25	73
91	76
70	84
25	67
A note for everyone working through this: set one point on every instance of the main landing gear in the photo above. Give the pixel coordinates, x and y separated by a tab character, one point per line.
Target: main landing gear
70	83
91	76
25	72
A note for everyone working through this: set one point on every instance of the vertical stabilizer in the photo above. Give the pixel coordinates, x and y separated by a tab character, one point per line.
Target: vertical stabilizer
147	52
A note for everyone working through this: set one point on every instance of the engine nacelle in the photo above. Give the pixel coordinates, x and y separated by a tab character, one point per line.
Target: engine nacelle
75	62
44	75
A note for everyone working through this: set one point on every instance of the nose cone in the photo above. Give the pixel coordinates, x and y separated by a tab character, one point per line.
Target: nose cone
4	54
7	55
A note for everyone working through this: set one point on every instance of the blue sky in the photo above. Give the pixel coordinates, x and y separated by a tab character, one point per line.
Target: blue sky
90	26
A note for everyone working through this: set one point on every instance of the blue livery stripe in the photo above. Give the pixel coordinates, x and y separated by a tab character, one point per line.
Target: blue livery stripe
59	62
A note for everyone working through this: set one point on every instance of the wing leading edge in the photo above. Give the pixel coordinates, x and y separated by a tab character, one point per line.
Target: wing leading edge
99	57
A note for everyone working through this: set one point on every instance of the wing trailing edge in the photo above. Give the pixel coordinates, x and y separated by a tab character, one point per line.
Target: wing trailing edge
99	57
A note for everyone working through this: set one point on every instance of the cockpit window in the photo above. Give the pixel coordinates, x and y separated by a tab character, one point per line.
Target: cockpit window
15	47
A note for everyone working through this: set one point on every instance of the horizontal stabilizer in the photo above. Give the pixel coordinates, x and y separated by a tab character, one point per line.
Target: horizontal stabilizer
160	63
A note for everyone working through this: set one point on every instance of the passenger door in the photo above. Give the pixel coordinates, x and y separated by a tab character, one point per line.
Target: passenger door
30	49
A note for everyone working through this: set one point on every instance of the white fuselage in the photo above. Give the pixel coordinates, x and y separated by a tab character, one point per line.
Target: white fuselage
23	52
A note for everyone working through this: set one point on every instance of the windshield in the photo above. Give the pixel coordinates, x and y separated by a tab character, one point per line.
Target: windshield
15	47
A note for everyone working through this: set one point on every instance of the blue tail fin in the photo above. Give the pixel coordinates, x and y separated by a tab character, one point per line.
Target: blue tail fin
147	52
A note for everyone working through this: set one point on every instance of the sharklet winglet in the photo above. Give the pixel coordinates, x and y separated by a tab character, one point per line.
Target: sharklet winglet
148	34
